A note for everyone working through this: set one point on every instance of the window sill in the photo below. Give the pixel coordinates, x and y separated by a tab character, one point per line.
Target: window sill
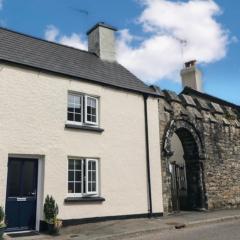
85	128
83	199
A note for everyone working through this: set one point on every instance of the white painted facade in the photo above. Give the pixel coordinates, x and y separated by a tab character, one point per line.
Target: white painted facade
33	113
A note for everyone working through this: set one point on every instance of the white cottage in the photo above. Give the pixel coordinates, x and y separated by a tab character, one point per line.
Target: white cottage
79	126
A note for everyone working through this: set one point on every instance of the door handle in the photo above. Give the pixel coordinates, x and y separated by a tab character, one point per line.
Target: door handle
33	193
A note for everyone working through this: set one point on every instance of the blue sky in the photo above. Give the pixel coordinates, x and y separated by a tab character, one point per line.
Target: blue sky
138	21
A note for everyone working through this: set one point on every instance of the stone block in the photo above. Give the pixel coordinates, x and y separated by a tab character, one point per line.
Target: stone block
188	100
216	108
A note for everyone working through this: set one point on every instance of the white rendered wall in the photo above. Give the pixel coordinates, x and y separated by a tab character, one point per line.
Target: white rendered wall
33	113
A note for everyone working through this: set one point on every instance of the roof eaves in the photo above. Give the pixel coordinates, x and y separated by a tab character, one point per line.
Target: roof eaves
150	93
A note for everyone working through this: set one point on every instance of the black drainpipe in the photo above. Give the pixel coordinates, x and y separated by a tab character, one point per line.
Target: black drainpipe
147	158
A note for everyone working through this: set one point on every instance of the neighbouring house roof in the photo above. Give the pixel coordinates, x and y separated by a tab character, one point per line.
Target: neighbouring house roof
37	53
192	92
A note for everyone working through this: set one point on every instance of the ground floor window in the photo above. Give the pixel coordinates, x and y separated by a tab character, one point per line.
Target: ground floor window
83	177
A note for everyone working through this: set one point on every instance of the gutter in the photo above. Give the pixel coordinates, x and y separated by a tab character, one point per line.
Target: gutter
148	158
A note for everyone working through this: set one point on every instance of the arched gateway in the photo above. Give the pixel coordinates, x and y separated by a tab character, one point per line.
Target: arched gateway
184	185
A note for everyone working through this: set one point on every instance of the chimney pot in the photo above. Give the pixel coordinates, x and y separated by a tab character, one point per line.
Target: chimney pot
191	63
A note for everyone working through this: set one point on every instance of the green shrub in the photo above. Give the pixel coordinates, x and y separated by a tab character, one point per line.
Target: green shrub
2	216
50	209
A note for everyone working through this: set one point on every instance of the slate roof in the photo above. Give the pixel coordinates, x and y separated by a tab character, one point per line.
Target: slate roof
34	52
192	92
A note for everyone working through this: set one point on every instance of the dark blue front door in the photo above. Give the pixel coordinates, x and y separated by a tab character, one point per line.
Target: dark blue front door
21	194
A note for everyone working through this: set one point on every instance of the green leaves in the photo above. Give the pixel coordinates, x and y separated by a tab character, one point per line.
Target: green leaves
50	209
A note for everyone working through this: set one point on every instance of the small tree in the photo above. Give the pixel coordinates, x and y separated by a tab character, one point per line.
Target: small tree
50	209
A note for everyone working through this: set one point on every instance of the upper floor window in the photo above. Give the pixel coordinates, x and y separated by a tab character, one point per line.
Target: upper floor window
91	110
82	109
75	108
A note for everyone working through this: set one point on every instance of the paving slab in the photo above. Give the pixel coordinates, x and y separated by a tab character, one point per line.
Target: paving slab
111	230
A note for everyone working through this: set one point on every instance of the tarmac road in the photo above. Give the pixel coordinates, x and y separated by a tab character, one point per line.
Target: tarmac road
229	230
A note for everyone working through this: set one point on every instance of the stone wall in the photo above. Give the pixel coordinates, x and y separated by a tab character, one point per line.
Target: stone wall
215	131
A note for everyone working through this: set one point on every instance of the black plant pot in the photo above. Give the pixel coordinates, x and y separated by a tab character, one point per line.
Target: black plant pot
2	230
52	229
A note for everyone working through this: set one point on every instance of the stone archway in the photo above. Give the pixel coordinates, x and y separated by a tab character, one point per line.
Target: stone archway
195	197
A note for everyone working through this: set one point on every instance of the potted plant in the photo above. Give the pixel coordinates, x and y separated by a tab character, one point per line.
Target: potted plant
51	212
2	224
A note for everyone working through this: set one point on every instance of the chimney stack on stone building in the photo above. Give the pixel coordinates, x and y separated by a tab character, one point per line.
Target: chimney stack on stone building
101	41
191	76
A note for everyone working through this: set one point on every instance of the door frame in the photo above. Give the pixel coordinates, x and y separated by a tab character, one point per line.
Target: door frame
40	183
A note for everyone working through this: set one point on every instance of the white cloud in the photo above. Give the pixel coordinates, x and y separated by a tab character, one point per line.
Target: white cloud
167	24
75	40
173	32
51	33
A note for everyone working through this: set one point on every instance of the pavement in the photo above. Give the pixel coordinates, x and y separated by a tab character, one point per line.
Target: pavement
216	231
120	229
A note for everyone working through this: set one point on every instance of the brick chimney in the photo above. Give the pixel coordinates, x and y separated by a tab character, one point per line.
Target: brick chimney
101	41
191	76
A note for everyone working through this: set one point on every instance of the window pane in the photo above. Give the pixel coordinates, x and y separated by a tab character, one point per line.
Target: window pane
94	103
70	107
78	176
70	117
89	110
78	187
71	164
89	176
94	187
78	164
94	176
77	109
89	118
70	175
94	119
89	165
93	165
89	187
89	101
70	98
77	117
70	187
77	100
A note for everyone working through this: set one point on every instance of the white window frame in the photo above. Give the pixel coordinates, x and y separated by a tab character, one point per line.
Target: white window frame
97	113
97	181
82	166
82	106
85	179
